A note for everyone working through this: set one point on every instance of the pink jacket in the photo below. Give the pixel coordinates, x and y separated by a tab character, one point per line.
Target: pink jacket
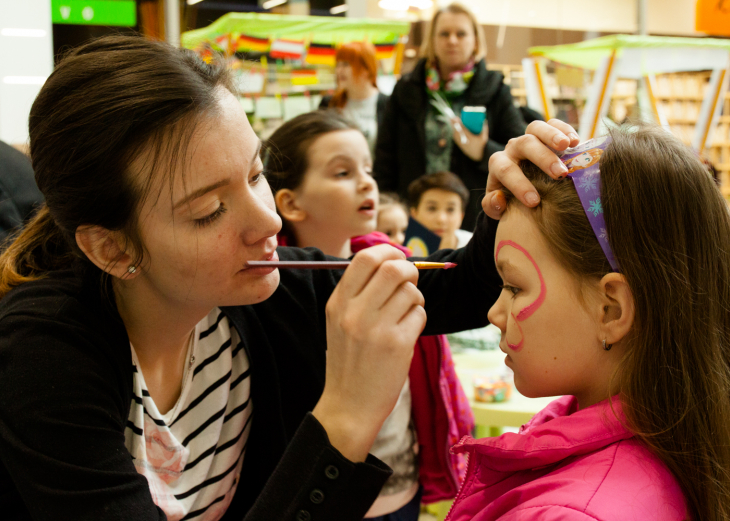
440	410
567	464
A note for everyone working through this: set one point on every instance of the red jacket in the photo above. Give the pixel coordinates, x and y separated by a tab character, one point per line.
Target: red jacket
440	409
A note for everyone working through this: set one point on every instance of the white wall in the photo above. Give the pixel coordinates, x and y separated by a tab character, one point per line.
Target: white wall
675	17
25	63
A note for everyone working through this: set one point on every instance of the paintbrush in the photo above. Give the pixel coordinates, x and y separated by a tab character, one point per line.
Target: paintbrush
337	265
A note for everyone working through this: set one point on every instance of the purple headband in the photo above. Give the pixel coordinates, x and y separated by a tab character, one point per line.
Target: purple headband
583	168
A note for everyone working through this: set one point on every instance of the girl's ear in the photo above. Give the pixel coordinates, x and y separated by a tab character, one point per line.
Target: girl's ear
412	211
617	308
286	203
107	250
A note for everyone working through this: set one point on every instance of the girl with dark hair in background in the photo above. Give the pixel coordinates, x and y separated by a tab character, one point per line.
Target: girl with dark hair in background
319	165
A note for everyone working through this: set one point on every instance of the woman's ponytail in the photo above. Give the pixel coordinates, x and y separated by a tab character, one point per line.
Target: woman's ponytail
39	248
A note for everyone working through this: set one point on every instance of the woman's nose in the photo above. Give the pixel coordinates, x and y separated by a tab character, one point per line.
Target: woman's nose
260	220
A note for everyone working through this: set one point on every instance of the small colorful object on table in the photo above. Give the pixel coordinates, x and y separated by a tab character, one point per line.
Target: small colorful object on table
491	389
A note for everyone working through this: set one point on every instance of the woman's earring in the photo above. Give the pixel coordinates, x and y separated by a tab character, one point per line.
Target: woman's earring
606	347
133	269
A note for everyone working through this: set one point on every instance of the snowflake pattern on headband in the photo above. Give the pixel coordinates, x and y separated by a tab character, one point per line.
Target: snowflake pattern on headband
583	164
588	183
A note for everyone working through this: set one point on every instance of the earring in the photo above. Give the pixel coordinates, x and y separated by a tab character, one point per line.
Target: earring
606	347
132	269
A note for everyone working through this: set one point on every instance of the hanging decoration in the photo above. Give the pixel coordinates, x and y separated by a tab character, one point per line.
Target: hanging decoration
321	54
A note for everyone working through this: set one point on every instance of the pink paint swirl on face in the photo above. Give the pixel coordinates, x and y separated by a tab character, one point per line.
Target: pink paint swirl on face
518	345
527	311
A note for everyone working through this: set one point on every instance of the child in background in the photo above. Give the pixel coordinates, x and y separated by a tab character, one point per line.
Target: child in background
438	202
392	217
616	293
320	168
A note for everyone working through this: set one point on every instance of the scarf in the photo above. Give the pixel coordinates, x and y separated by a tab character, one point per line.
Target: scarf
454	84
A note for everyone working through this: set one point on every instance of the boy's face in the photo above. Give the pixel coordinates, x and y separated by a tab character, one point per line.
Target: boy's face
440	211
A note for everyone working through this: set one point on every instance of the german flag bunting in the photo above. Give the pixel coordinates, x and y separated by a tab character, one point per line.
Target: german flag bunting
321	54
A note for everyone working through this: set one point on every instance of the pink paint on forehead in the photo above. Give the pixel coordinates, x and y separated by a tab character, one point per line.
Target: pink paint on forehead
528	310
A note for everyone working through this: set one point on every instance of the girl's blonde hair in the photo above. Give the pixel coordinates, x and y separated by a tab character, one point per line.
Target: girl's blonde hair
480	43
668	226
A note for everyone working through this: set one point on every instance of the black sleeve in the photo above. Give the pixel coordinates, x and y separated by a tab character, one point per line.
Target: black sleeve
385	168
509	124
62	422
456	299
459	298
314	481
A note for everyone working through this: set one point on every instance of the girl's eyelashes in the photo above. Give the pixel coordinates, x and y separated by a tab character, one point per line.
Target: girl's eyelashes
205	221
512	289
344	173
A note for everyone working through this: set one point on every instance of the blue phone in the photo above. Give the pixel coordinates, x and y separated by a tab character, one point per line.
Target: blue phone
473	118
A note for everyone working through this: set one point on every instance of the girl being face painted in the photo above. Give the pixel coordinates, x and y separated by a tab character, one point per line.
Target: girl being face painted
543	322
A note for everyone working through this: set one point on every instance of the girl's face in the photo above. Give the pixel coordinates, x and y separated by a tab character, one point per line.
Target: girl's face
551	340
200	233
393	221
440	211
338	193
454	40
581	161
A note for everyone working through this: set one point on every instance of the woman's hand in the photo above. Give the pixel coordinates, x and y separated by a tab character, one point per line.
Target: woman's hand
471	144
538	145
374	318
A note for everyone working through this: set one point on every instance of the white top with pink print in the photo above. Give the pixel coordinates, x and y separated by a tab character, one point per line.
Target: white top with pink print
192	455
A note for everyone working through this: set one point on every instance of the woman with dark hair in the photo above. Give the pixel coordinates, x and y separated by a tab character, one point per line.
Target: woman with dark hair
415	138
146	371
357	97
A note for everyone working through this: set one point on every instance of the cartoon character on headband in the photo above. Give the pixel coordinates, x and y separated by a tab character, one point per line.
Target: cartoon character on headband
584	160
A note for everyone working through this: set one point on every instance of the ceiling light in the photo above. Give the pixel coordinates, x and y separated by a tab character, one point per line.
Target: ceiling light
394	5
193	2
339	9
33	33
273	3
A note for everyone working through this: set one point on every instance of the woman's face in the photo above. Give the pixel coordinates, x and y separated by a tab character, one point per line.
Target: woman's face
200	232
550	338
454	41
338	193
347	77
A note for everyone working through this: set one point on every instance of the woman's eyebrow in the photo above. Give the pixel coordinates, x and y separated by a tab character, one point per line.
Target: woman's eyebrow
223	182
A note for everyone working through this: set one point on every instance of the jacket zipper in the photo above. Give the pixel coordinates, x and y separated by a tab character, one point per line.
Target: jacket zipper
461	485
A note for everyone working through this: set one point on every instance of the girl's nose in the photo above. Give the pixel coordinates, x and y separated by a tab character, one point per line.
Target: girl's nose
366	183
497	315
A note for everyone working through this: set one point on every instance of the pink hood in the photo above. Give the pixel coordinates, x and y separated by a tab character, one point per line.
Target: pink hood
567	464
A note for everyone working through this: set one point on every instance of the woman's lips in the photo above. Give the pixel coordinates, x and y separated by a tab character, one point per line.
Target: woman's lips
264	270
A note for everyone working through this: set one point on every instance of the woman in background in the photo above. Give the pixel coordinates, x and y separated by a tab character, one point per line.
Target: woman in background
415	139
357	96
